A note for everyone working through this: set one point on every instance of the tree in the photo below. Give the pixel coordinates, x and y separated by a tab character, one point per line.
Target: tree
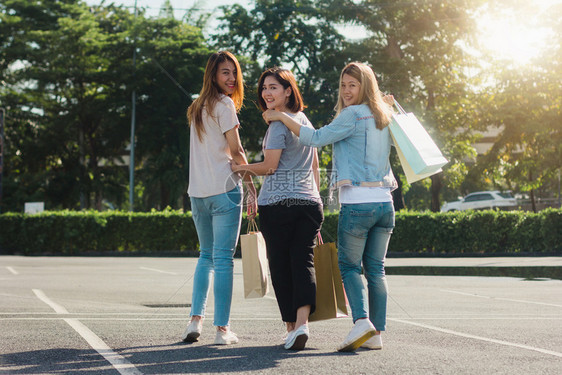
172	58
525	102
69	77
416	50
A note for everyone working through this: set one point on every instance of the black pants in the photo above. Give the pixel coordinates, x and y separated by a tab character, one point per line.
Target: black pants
289	229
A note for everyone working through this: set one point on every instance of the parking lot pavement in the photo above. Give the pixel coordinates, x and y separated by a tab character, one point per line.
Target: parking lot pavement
126	315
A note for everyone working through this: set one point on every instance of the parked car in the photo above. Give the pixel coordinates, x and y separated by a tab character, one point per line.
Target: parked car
482	200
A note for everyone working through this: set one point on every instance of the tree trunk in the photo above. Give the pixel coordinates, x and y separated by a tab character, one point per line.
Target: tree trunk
393	49
532	193
436	184
436	181
164	196
398	197
83	199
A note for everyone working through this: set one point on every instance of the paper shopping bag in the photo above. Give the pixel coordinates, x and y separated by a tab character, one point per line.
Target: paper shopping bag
330	296
419	152
411	176
254	262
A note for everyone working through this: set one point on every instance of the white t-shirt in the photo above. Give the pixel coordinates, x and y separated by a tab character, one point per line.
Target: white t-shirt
363	194
209	159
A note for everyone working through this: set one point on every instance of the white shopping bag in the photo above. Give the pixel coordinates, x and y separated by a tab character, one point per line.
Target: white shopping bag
419	155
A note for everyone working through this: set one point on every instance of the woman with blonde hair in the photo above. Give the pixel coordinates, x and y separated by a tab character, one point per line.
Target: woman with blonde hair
289	205
216	192
361	144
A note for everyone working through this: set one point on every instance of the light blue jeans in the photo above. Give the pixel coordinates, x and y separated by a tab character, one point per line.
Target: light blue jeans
217	220
364	231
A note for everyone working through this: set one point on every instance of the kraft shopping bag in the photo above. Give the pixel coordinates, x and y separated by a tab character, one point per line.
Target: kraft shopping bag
419	155
254	262
330	297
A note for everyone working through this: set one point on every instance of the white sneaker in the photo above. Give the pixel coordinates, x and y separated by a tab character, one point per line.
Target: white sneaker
374	343
225	337
297	339
361	332
193	331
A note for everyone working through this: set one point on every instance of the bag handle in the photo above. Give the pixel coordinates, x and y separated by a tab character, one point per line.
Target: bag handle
400	109
252	226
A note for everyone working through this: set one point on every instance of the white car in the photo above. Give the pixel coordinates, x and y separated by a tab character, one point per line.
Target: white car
482	200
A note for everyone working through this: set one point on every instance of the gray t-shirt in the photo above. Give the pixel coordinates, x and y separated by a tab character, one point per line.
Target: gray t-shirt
293	178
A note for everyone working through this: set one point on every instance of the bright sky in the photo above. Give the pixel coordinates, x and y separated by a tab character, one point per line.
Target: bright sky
505	35
515	37
153	6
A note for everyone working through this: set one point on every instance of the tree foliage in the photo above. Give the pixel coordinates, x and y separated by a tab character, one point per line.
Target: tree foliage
525	102
68	77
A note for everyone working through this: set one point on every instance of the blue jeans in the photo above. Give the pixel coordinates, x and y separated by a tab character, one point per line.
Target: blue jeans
364	231
217	220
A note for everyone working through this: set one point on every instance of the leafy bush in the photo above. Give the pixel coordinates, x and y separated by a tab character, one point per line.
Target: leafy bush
173	232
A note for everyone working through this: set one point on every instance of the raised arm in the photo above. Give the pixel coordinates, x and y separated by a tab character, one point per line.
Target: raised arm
342	127
272	115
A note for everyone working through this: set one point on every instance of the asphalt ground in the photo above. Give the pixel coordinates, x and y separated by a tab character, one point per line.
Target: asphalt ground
96	315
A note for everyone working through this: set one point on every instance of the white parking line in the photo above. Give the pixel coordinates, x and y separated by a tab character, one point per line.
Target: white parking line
500	298
119	363
156	270
501	342
58	308
12	270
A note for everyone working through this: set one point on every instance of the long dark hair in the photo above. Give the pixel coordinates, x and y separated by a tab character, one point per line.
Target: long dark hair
210	93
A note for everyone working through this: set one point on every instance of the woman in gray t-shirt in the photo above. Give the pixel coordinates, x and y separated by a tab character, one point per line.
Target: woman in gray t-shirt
289	205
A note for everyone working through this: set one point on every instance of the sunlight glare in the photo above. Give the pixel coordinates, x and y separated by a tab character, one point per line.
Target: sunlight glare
509	37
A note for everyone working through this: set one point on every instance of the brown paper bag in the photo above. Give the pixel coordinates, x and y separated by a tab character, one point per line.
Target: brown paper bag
330	296
254	262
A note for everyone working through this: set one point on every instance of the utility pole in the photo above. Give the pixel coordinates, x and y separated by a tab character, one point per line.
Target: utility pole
559	203
2	112
133	120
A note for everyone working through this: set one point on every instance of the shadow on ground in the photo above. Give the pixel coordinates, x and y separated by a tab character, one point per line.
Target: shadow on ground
179	358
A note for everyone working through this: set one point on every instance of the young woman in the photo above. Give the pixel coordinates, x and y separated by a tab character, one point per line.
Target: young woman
363	175
289	205
216	192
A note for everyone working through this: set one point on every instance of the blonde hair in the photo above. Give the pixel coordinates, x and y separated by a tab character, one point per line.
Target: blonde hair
210	92
369	93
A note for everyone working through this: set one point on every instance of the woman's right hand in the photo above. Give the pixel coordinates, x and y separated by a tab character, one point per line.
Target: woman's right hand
234	166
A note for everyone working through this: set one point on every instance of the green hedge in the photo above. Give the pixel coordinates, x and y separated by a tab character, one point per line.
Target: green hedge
173	232
478	232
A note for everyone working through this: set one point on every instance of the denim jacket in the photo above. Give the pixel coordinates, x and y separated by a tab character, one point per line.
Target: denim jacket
361	151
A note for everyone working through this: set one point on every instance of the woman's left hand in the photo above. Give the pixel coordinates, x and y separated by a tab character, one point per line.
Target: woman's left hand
251	203
389	99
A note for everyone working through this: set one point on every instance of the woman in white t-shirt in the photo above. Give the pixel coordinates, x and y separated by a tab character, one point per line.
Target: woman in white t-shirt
216	192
